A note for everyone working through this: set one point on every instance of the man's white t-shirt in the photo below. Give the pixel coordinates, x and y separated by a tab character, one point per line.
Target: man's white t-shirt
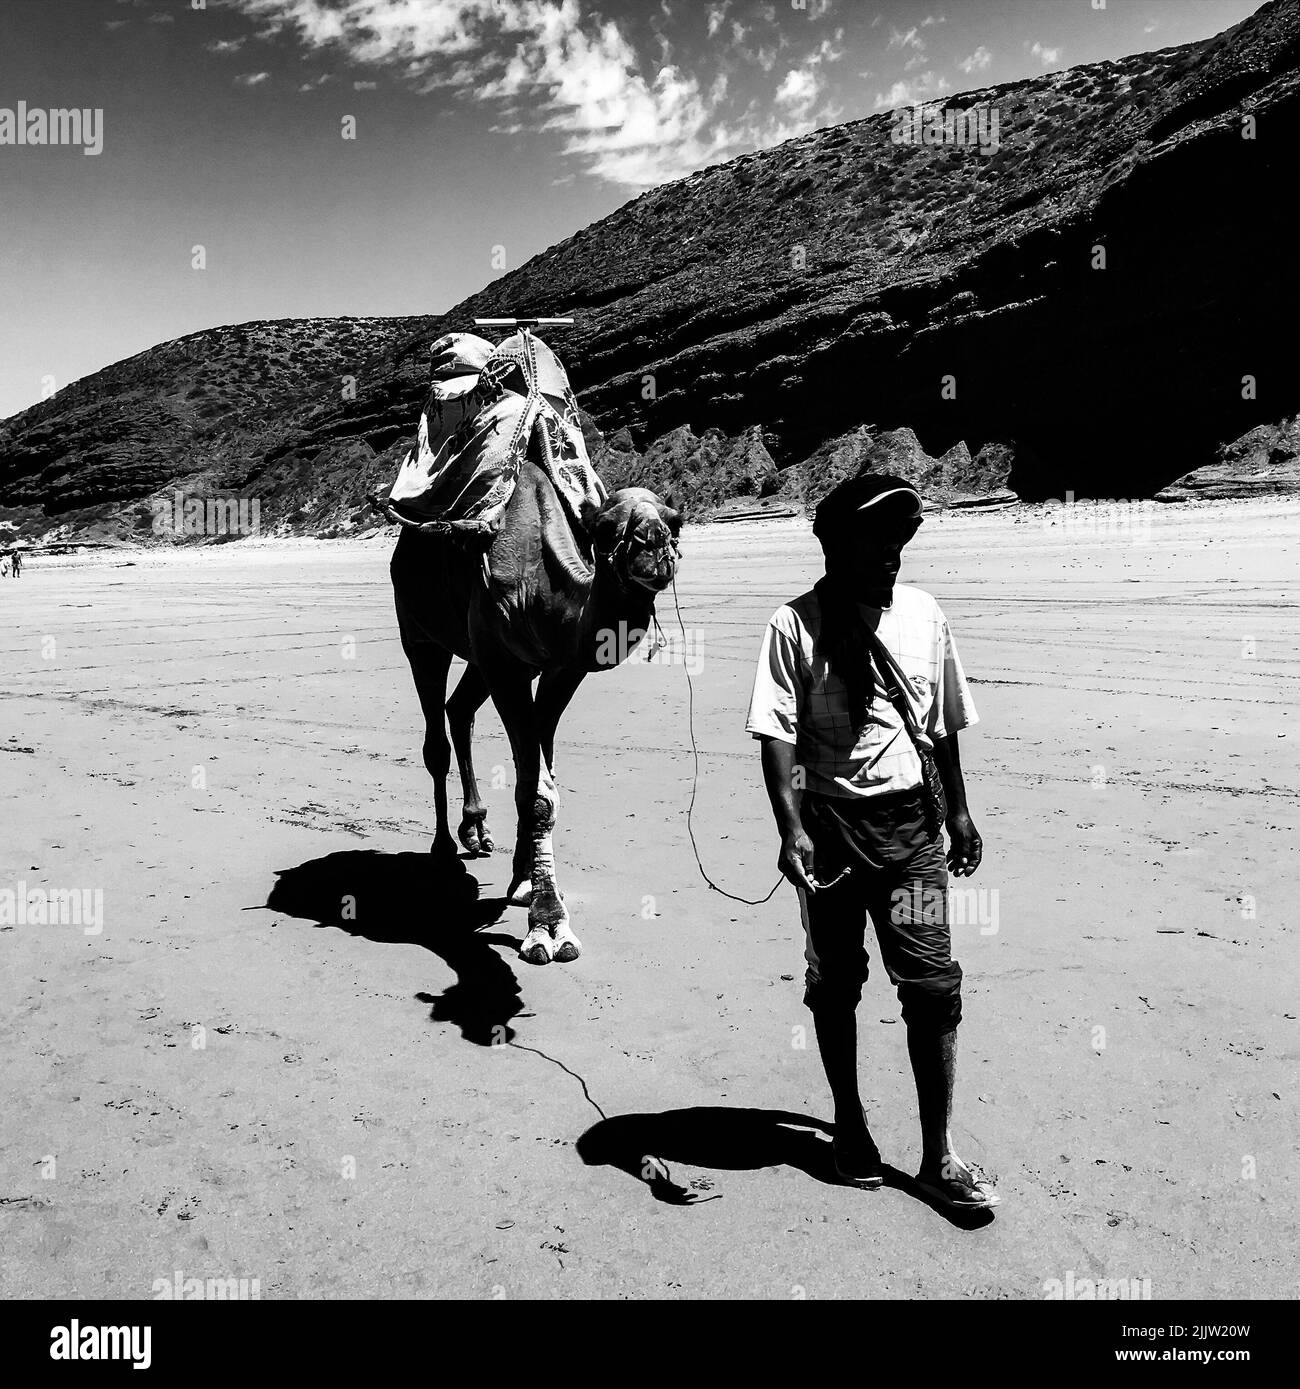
798	700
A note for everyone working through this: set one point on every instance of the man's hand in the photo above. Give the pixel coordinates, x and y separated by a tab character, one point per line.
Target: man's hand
965	847
796	860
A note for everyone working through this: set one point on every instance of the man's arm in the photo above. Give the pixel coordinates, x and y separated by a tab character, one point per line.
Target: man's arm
965	848
796	859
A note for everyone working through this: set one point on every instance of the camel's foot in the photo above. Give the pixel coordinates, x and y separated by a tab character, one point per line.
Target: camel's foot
520	892
443	846
547	913
567	946
538	947
474	833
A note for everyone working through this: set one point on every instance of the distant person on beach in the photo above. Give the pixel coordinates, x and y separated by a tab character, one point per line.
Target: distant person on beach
16	562
858	699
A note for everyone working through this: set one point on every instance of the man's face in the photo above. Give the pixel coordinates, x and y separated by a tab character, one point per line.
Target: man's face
867	560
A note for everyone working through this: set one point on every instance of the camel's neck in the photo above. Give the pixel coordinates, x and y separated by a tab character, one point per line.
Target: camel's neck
615	619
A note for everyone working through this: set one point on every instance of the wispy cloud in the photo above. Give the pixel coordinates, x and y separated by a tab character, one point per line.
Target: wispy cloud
802	88
977	62
926	84
226	45
911	43
909	39
923	88
798	92
632	123
1049	57
252	79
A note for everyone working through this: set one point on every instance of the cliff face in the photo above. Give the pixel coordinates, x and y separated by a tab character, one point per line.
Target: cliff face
1102	305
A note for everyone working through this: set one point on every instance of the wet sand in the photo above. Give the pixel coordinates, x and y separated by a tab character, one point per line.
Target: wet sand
380	1099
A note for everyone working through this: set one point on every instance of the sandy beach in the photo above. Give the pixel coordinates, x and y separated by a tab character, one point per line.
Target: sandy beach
295	1054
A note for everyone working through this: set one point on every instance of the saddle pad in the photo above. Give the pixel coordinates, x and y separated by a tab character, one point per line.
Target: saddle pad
487	408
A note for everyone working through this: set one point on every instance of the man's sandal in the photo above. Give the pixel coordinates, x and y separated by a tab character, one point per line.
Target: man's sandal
963	1188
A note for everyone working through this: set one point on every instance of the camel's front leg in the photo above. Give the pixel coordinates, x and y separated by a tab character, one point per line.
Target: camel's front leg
554	691
533	875
549	936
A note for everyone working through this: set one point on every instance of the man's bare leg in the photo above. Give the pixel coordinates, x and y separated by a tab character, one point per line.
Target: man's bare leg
856	1154
942	1172
934	1068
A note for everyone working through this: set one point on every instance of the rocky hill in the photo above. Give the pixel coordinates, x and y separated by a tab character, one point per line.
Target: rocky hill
199	412
1101	306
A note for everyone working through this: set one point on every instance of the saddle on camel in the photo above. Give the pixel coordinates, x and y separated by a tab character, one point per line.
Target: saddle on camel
514	558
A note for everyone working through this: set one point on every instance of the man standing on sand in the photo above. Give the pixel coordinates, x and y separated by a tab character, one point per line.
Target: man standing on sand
858	699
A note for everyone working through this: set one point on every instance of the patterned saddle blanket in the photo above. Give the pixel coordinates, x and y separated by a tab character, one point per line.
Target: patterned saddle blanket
488	409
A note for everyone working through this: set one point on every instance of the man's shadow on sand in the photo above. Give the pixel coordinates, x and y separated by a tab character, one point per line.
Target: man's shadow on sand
415	899
732	1140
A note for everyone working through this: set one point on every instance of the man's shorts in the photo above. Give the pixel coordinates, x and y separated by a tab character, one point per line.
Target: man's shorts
908	905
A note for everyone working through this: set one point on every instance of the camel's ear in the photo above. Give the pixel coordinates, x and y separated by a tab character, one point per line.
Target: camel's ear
671	517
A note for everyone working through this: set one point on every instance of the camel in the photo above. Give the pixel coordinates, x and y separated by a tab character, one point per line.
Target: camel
534	601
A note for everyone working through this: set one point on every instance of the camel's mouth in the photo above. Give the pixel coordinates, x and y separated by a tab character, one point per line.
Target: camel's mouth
655	585
651	561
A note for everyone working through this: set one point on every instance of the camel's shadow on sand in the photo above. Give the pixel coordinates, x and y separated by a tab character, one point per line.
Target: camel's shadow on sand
416	899
731	1140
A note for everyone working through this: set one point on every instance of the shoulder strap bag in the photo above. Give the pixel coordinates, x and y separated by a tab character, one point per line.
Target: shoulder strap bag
936	807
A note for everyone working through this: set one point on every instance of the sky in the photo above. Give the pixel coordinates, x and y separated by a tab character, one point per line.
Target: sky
484	131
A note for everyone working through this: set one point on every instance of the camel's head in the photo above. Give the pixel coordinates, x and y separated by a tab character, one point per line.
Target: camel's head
635	533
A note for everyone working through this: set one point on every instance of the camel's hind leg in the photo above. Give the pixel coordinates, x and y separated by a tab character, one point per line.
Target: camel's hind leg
467	699
430	664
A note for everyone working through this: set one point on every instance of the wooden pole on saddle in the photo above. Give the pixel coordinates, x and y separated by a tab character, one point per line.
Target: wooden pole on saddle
524	323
